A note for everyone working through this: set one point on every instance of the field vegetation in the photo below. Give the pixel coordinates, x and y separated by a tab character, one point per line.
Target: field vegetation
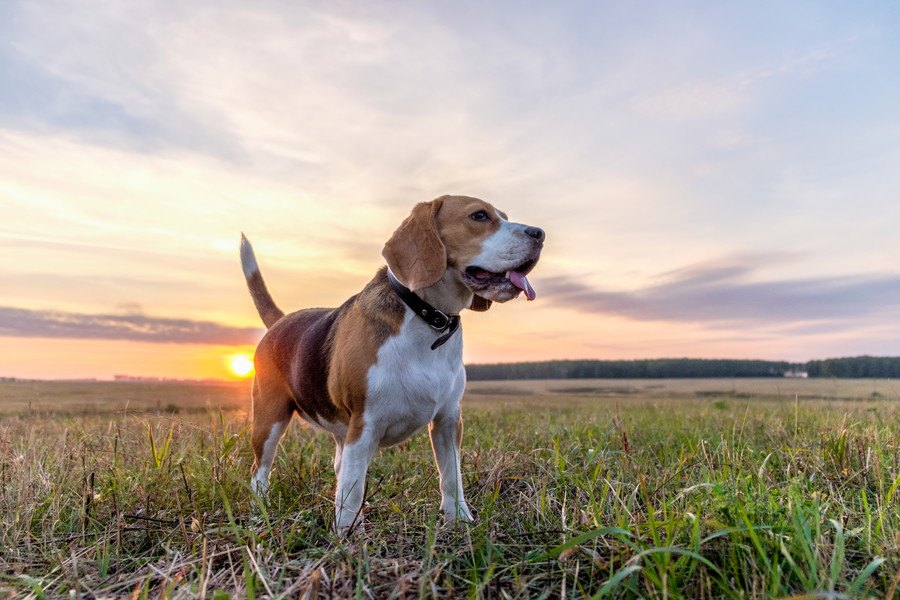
854	367
582	488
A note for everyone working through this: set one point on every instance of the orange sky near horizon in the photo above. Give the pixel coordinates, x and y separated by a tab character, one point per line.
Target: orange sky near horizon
521	335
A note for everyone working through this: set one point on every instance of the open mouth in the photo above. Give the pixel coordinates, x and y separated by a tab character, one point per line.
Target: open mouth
482	278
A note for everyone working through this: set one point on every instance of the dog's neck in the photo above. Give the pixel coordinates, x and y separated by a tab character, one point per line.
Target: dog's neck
449	295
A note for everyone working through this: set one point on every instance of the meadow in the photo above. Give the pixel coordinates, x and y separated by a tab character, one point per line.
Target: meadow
761	488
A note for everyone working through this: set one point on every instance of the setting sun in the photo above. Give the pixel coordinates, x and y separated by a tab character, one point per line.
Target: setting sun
241	365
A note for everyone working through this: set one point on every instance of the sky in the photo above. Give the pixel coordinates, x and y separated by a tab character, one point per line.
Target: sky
717	180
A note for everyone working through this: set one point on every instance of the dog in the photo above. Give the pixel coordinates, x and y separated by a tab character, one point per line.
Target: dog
388	361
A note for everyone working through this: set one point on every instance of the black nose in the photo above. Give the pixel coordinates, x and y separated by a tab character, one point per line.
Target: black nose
535	232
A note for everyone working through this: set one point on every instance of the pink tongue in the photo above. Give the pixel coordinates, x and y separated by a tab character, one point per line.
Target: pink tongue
521	282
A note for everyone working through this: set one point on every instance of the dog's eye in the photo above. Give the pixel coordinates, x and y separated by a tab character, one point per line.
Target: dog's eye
479	215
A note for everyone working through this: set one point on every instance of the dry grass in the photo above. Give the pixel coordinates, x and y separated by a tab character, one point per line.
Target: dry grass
692	488
85	398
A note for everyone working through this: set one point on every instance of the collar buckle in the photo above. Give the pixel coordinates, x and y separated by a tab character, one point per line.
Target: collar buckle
438	320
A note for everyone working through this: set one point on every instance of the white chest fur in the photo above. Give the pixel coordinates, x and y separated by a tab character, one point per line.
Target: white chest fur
410	383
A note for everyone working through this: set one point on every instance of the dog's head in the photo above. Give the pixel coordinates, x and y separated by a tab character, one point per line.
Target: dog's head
472	241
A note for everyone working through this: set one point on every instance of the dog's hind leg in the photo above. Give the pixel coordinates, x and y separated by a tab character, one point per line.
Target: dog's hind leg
272	410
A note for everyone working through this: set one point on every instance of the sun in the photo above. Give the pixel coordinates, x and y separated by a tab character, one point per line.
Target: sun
241	365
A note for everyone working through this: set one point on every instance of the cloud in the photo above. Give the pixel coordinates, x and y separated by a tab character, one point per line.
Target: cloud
699	99
19	322
727	293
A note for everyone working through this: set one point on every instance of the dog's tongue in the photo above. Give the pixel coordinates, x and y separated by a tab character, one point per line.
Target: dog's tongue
521	282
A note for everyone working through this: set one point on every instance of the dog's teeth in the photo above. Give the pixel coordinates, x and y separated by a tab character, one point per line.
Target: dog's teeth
506	275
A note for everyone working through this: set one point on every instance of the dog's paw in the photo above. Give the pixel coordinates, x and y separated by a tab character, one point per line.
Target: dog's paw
458	511
346	524
349	533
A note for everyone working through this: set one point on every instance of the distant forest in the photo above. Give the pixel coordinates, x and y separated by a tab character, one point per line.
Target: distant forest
854	367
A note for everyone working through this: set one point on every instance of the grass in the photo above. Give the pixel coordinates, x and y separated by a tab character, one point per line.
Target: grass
752	489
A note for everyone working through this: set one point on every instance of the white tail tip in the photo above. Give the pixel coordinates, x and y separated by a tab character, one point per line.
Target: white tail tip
248	259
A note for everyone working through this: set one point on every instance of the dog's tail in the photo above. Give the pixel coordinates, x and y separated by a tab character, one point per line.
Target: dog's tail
268	311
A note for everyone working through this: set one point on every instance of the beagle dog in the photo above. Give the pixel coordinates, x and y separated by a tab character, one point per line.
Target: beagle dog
386	362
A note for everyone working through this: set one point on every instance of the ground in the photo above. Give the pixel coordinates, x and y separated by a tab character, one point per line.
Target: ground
669	488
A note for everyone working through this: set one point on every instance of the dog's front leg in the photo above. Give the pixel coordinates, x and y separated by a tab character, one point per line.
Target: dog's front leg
351	484
446	437
338	451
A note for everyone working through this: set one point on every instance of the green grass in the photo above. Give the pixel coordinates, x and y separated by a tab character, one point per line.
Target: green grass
745	493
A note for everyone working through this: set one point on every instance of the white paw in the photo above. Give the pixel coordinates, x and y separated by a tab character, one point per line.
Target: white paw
458	511
345	522
260	486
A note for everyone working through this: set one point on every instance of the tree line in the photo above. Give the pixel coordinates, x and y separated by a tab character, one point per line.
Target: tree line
670	368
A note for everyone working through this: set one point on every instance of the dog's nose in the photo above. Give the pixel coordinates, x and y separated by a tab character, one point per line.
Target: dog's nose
535	232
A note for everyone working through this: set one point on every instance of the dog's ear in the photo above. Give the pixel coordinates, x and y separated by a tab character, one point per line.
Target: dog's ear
480	304
415	253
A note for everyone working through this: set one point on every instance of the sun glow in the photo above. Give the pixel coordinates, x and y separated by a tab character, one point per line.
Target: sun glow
241	365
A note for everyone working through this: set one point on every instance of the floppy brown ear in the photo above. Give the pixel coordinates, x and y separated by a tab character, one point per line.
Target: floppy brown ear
415	253
480	304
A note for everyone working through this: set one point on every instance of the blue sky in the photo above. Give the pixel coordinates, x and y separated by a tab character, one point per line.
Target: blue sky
716	179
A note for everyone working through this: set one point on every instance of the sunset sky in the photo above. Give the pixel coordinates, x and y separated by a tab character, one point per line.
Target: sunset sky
715	179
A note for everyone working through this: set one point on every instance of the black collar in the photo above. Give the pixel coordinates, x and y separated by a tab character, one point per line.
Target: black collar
438	320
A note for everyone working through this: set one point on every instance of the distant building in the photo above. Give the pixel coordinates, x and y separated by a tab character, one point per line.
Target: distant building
796	374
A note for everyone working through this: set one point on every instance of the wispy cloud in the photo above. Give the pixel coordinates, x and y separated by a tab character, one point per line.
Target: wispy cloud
700	99
727	292
19	322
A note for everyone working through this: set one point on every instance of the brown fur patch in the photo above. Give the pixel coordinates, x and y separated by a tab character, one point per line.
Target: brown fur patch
480	304
463	236
300	346
375	315
272	403
415	252
268	311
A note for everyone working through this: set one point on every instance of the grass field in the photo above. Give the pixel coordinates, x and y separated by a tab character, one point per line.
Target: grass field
582	488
